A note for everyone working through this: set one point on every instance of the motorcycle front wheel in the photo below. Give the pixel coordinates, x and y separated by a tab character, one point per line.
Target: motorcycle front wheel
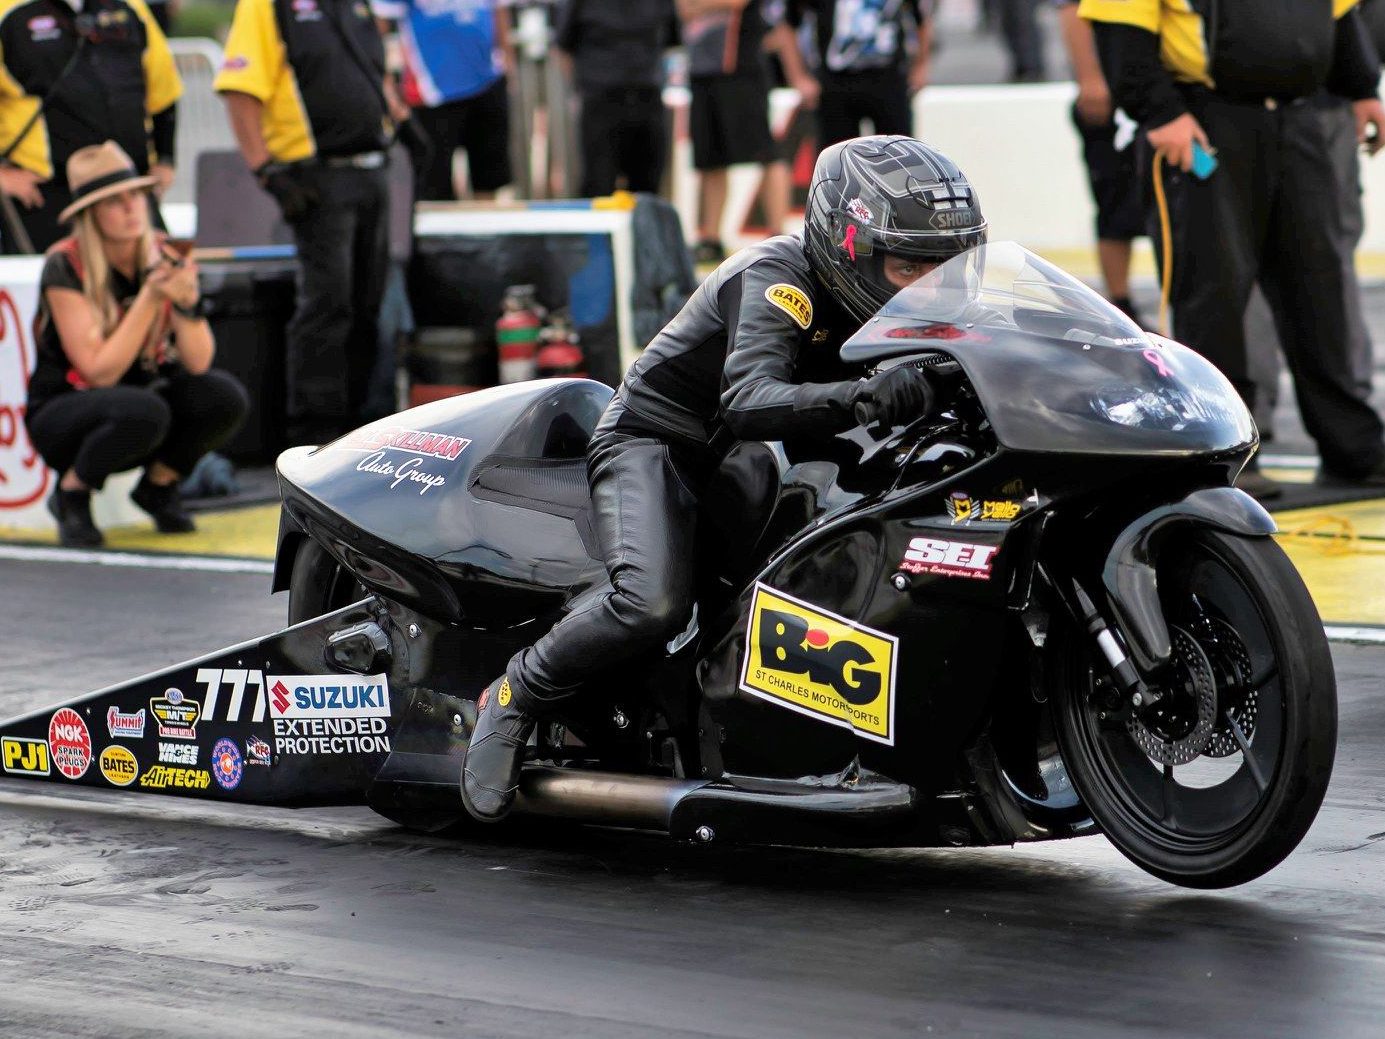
1216	783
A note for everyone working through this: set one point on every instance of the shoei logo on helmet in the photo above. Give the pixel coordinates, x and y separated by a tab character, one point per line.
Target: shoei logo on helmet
791	301
951	219
816	663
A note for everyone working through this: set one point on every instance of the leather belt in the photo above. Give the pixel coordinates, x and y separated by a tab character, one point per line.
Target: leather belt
363	161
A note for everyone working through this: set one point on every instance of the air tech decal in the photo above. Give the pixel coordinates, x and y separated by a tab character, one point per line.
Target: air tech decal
792	301
819	664
161	777
119	766
21	757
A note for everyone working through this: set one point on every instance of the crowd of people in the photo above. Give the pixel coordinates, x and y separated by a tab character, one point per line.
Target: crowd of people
317	90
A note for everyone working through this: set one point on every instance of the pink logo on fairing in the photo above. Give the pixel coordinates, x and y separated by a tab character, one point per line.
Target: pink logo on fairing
1160	366
23	476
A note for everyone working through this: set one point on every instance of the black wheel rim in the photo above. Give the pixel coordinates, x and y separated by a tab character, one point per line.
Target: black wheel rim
1210	800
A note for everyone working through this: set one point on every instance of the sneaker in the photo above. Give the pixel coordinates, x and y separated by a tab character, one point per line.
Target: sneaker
708	251
72	510
1258	485
163	503
491	765
1373	477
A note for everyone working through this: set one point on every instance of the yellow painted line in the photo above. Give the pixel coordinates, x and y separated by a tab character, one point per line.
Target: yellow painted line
1365	518
1340	551
247	533
1285	475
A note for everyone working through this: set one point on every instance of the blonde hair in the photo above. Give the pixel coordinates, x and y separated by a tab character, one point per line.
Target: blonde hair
96	274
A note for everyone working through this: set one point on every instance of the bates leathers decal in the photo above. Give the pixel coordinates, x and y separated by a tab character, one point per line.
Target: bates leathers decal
177	715
119	766
821	665
69	742
949	558
21	757
792	301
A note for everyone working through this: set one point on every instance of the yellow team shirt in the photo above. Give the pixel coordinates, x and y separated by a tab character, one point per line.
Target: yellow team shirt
256	63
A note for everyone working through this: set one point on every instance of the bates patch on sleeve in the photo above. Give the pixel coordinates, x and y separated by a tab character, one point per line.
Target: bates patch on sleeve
791	301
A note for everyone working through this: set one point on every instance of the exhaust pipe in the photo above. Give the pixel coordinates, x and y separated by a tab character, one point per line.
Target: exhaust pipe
603	798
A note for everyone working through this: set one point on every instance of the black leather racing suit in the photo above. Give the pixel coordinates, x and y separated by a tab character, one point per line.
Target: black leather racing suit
751	356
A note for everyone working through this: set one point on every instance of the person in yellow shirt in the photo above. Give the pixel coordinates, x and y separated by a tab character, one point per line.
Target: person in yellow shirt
303	82
74	75
1235	80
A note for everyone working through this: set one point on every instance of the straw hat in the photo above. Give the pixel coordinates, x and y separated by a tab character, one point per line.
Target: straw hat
99	171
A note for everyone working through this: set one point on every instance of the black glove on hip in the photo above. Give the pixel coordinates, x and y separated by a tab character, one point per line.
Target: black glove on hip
900	395
281	180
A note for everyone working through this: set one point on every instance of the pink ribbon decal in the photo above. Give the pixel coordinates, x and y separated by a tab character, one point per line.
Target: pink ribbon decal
1152	356
849	242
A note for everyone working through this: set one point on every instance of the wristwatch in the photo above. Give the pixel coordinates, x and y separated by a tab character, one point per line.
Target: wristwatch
193	313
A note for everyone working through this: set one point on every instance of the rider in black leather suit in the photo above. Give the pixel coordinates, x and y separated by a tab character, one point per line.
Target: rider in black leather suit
752	356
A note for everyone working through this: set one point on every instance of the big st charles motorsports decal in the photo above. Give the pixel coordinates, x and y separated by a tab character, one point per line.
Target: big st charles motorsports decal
329	714
820	664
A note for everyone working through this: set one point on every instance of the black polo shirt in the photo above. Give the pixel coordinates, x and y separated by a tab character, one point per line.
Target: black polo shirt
320	82
617	44
123	76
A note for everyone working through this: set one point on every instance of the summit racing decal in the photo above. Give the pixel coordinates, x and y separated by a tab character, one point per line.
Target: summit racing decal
820	664
69	743
949	558
792	301
21	757
410	441
177	715
329	696
125	726
963	508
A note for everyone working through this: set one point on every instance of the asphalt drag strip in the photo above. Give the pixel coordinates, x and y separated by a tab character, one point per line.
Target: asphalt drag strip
128	915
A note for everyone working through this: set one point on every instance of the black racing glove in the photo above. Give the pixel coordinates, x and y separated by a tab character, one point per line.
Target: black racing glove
896	397
281	180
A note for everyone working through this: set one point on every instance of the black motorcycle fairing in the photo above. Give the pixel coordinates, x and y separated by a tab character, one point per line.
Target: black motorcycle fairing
1057	368
1129	575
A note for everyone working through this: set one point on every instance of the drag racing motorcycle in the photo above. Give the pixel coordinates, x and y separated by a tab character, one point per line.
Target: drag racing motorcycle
1041	613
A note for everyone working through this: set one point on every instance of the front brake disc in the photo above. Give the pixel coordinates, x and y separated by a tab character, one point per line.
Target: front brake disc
1236	696
1168	732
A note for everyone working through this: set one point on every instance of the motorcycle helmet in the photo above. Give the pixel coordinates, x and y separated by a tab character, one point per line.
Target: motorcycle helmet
874	197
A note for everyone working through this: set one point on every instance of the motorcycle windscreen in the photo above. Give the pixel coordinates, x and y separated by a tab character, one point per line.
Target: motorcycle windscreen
1055	366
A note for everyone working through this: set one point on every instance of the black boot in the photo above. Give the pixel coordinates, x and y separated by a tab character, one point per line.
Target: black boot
162	502
72	510
490	768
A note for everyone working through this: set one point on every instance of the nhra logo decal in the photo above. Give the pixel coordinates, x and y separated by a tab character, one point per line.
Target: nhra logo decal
23	757
792	301
177	715
820	664
963	508
177	754
70	743
119	766
227	764
125	726
161	777
329	696
949	558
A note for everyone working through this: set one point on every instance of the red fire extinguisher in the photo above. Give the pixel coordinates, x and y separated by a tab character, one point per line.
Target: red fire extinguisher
560	353
517	334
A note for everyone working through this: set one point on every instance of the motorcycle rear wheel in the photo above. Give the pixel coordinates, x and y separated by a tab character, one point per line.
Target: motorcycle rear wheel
318	584
1251	704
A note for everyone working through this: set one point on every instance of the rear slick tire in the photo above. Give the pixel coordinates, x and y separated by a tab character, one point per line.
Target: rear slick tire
1227	588
319	585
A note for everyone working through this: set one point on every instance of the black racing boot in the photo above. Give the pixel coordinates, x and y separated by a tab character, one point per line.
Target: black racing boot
162	502
490	768
72	510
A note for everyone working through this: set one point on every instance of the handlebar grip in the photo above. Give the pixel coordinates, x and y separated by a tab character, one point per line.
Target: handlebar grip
866	412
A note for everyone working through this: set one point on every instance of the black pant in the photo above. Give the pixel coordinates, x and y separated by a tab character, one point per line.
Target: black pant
1271	210
175	421
481	126
343	259
622	134
850	97
644	501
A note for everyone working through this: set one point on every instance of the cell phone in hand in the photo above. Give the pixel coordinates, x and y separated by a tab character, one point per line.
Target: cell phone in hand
178	249
1204	162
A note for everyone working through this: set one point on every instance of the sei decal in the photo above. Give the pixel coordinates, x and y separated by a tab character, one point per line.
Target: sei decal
820	664
949	558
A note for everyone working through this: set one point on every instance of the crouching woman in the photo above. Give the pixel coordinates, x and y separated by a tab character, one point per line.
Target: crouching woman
123	377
